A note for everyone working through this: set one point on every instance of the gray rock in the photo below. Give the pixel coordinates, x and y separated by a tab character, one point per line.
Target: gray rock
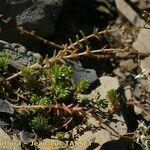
27	137
79	72
19	54
144	5
38	15
95	132
137	93
92	121
29	53
36	55
5	107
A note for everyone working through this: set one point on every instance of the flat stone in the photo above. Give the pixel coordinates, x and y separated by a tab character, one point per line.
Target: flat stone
52	144
141	44
92	121
29	53
146	84
118	73
36	55
79	72
145	65
129	13
127	92
27	137
137	93
5	107
119	125
137	110
103	136
128	65
86	139
100	137
107	83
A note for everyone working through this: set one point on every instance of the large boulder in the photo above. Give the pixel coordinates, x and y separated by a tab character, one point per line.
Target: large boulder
38	15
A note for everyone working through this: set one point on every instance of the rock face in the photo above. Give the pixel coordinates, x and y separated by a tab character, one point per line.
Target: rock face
38	15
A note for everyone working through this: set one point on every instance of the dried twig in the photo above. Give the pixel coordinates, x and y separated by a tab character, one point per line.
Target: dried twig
103	53
70	109
33	35
67	108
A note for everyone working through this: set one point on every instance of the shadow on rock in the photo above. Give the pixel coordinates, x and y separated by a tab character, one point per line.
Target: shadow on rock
121	144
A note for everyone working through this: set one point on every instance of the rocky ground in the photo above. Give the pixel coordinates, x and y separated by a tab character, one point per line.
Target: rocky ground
130	77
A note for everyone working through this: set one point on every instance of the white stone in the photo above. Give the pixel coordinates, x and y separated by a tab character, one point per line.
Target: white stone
145	65
129	13
128	65
84	141
142	44
102	136
127	92
146	84
52	144
119	125
92	121
107	83
137	110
